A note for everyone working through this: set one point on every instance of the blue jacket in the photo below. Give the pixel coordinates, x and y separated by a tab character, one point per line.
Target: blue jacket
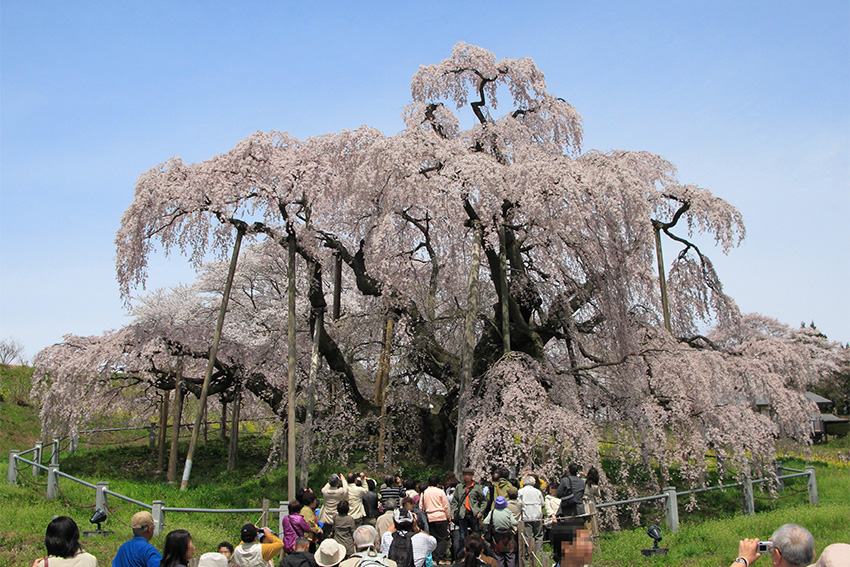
137	552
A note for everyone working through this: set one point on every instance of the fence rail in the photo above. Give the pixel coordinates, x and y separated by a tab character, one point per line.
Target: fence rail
158	509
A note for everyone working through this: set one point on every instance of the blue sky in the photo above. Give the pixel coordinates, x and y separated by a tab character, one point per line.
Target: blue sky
749	99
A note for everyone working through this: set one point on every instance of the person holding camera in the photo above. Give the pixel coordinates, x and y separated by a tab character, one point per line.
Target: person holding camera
334	492
789	546
252	553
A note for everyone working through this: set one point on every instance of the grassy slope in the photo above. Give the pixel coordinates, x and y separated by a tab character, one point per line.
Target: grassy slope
26	512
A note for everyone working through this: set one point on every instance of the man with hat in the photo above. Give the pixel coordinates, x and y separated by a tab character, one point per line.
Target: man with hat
500	525
138	552
330	553
468	504
252	553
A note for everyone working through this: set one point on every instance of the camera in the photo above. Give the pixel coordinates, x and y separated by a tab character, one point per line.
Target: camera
765	547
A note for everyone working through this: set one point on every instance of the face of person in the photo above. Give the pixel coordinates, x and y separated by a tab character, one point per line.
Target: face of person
224	551
467	479
579	552
190	551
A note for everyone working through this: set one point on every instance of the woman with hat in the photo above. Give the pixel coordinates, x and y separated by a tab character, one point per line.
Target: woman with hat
500	524
330	553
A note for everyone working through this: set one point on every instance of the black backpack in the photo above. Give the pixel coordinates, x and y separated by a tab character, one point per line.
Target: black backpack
401	549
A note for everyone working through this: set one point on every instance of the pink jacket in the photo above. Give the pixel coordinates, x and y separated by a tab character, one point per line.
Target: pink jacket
435	503
294	526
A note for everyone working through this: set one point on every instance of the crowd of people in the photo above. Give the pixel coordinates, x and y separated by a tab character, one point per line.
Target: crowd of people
403	523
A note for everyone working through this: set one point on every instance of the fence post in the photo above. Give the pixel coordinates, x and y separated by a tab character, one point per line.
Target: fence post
12	475
72	444
747	494
812	485
284	511
672	509
36	458
54	452
52	482
780	484
158	513
100	495
520	548
152	435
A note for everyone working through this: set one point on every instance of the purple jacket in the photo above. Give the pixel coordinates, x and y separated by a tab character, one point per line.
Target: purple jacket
294	526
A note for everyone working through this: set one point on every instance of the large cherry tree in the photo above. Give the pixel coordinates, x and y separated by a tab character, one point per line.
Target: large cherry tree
568	243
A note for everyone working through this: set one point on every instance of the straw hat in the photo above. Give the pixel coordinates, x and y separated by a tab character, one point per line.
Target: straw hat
330	553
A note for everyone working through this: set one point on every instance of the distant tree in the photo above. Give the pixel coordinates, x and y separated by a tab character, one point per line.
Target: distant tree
11	350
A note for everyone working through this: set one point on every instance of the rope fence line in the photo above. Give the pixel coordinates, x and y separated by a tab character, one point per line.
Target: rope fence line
158	509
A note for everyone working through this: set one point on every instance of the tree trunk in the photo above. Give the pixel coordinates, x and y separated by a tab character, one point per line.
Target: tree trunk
290	403
503	295
468	344
383	383
222	424
234	428
163	431
175	425
307	435
337	286
662	280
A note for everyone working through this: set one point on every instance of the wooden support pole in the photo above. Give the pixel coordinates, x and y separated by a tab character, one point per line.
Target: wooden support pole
202	402
290	390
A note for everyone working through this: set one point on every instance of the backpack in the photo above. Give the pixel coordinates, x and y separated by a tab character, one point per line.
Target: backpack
371	559
401	549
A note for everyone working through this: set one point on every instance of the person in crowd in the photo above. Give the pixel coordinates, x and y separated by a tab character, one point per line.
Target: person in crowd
435	503
501	524
571	493
591	490
329	554
790	546
308	512
344	528
62	542
365	540
532	514
252	553
835	555
450	483
391	490
138	552
408	503
301	556
514	504
410	489
226	549
370	505
571	544
334	492
551	504
468	505
294	526
213	559
501	482
178	549
475	553
357	489
405	541
385	521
